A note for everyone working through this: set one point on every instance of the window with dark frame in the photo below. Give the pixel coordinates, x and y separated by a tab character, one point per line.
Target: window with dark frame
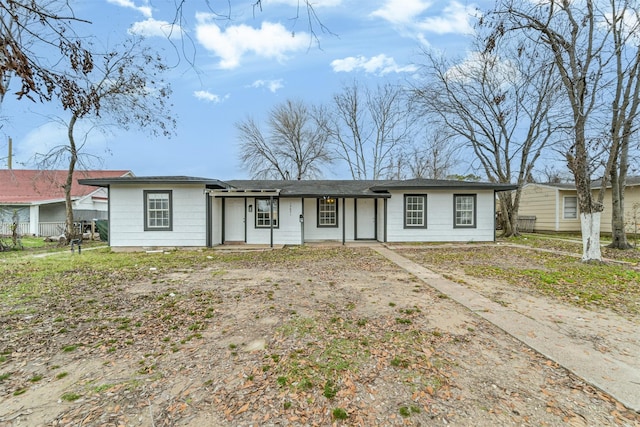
264	211
158	206
415	211
464	210
327	212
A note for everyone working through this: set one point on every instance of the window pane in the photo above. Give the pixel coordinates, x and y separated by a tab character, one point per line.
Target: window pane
158	210
464	210
415	211
327	212
263	212
571	207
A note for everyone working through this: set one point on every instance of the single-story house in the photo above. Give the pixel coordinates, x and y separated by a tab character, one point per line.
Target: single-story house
154	212
37	197
555	206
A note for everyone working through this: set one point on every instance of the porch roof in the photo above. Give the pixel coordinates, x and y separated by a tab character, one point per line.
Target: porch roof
313	188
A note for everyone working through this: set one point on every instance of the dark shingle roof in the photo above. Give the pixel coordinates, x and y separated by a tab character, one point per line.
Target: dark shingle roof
210	183
310	188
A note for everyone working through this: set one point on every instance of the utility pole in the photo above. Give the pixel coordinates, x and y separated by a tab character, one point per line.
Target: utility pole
10	153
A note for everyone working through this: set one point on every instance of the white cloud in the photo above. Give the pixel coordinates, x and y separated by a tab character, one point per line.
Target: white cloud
379	64
145	9
402	11
412	17
272	85
474	67
154	28
204	95
271	41
454	19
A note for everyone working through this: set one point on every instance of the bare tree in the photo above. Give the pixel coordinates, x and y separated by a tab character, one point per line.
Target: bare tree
296	147
625	30
500	104
125	88
369	128
29	28
594	57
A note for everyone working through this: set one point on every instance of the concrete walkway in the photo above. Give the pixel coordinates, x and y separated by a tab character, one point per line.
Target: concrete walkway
619	379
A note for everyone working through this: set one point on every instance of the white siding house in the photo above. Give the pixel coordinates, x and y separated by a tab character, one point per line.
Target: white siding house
152	212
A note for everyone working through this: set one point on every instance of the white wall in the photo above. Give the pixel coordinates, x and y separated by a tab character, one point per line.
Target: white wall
126	222
288	231
440	219
216	222
312	233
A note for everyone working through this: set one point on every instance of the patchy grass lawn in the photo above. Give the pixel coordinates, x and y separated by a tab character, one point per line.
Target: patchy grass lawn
299	336
551	266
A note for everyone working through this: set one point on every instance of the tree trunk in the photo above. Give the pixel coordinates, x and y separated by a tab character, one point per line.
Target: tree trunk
590	224
509	215
618	232
73	158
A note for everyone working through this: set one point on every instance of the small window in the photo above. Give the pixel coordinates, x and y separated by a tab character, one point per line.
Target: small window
158	210
570	207
464	210
264	210
327	212
415	211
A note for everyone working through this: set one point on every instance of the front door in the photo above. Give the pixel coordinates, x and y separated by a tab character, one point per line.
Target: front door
365	219
234	219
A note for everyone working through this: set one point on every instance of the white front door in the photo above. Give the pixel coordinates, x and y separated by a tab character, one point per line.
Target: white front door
365	219
234	219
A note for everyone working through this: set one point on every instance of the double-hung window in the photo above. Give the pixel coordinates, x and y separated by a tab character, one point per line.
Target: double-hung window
464	208
327	212
158	207
415	211
570	207
266	213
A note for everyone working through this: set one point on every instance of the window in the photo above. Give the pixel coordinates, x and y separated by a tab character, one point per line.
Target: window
157	210
464	210
570	207
327	212
415	211
264	209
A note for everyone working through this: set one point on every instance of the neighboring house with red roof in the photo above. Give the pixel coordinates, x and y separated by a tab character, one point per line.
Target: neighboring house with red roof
37	196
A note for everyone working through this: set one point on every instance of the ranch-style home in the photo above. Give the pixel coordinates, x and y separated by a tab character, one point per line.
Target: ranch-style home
555	206
165	211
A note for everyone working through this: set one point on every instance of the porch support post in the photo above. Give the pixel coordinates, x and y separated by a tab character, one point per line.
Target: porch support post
208	226
34	220
344	216
302	223
385	220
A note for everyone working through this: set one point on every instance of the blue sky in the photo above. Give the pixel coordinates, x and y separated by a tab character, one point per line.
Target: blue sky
244	64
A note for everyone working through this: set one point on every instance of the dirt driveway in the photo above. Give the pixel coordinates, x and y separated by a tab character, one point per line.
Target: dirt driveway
297	336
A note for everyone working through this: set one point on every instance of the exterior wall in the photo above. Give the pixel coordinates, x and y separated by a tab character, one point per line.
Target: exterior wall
542	202
126	222
53	212
288	230
313	233
440	218
547	203
381	219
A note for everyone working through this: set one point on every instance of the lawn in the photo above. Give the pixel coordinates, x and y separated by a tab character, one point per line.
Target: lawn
298	336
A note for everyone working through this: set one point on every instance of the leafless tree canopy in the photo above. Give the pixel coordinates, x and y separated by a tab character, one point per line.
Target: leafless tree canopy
295	148
369	128
29	28
500	104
